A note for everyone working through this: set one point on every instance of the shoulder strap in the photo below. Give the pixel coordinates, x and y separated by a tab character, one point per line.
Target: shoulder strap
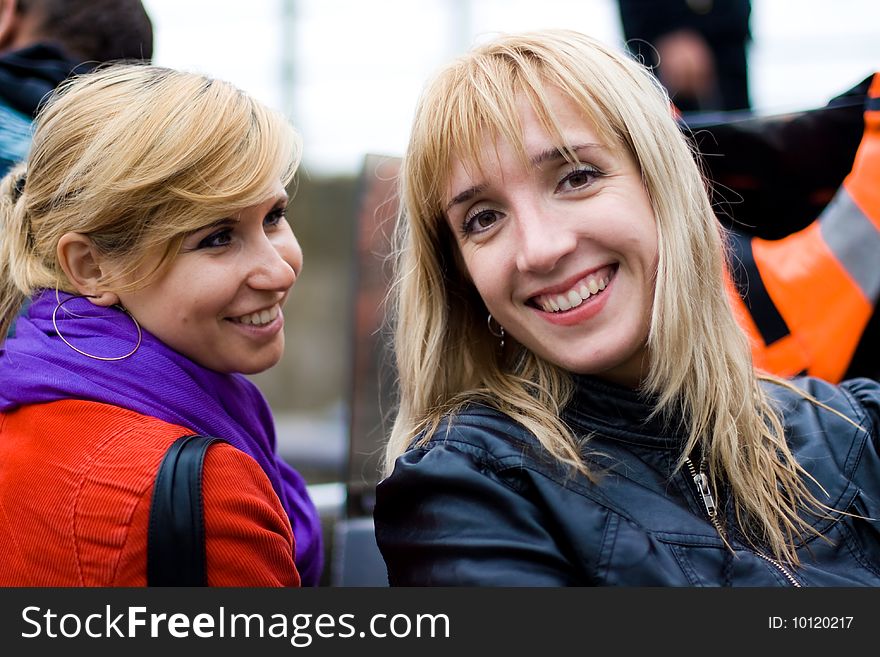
176	536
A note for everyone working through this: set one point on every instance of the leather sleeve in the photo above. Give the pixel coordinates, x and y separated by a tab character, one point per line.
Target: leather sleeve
867	394
451	516
248	535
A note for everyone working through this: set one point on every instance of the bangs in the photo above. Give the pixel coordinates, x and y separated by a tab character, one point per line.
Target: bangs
246	150
475	103
198	146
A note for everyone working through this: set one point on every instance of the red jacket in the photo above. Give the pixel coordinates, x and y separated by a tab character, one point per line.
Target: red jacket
76	483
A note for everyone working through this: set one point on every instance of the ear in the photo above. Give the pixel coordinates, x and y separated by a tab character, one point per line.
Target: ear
8	22
81	261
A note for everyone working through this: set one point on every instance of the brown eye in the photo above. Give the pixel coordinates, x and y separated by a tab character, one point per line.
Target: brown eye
578	179
484	219
480	221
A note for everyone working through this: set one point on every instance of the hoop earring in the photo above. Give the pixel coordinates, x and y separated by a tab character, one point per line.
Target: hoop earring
80	351
499	333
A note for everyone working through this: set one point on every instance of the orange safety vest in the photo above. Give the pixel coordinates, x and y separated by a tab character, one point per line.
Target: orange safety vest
805	300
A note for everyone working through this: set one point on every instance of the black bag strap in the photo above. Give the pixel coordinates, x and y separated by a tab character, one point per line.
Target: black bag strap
176	553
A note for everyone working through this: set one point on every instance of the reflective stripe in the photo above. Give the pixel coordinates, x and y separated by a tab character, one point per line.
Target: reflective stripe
854	240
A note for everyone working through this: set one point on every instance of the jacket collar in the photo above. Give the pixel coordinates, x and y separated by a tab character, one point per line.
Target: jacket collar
621	414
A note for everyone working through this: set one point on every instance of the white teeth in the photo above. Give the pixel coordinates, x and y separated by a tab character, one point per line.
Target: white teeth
574	297
259	318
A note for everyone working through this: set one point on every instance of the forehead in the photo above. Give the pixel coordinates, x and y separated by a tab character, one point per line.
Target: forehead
540	132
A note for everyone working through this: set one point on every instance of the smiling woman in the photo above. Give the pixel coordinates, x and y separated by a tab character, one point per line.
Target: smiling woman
607	427
219	301
542	282
145	262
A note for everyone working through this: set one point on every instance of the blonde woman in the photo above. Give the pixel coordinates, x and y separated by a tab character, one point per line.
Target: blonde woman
577	403
144	262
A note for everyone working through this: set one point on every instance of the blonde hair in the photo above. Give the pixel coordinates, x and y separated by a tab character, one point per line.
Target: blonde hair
135	157
700	362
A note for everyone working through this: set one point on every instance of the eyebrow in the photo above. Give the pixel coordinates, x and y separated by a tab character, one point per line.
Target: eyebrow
465	196
551	154
225	221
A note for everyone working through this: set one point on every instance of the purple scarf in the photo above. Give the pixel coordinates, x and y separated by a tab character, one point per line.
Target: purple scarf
36	367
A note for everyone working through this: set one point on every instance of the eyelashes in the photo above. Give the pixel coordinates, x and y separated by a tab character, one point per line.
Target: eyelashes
216	239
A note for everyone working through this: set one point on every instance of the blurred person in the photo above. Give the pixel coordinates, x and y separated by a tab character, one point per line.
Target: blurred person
578	405
42	42
698	49
145	259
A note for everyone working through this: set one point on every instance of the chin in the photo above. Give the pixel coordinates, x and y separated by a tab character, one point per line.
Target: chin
258	365
245	366
256	368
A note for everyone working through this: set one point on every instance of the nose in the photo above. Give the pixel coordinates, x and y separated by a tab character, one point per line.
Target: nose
542	242
275	264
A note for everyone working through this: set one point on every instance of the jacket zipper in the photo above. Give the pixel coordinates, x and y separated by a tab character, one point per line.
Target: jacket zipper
701	481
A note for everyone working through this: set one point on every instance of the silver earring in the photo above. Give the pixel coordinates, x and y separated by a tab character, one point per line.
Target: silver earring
499	332
80	351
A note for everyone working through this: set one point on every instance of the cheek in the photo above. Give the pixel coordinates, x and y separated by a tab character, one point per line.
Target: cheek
488	270
489	284
197	296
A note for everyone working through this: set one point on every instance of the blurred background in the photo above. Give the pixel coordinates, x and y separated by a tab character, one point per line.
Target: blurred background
348	74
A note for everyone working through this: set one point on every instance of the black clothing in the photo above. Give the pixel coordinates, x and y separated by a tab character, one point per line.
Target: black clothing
27	77
724	24
28	74
482	504
773	175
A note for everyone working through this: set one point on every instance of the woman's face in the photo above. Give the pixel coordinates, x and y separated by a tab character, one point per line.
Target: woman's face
219	302
564	255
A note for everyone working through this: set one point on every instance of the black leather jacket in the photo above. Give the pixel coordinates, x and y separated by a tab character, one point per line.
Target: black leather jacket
482	504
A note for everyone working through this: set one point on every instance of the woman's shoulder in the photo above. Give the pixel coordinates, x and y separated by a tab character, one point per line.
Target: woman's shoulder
109	442
858	399
84	419
842	415
483	435
91	469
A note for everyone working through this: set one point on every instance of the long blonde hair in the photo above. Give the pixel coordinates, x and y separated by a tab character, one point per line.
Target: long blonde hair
135	157
700	361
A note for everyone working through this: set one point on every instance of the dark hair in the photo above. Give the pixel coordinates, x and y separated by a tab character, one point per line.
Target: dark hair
97	30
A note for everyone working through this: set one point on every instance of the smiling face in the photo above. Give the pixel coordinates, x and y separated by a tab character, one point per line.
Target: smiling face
563	255
219	300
